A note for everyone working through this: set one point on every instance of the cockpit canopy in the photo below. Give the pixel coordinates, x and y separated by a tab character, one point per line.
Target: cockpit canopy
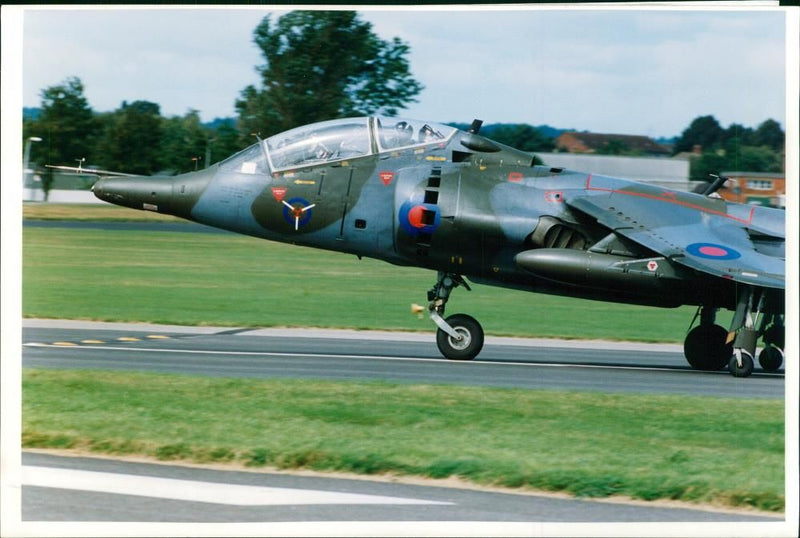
336	140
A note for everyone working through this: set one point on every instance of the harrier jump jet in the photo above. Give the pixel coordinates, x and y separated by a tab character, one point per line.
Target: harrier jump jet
429	195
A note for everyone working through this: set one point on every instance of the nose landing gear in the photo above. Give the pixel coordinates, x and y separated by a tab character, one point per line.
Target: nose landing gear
459	337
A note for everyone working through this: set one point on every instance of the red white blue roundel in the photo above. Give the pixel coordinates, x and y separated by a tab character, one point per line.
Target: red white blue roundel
712	251
416	218
297	211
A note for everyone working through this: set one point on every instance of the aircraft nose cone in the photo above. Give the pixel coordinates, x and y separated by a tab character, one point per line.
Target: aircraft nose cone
97	188
149	193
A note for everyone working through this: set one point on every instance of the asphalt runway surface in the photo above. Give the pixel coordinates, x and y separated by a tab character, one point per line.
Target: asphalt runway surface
58	488
386	356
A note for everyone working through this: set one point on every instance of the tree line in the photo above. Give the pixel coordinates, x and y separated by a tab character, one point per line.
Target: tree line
735	148
318	65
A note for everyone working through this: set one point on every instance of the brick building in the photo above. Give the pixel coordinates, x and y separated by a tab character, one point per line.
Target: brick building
761	188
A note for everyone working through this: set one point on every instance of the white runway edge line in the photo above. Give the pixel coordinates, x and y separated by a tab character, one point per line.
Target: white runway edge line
196	491
470	364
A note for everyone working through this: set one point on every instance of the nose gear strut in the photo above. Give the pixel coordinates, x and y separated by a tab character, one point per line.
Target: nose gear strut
459	337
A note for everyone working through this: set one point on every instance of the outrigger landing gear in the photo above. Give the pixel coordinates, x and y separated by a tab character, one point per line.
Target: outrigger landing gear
743	334
460	337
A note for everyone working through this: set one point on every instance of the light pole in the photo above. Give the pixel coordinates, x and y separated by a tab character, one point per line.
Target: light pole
27	159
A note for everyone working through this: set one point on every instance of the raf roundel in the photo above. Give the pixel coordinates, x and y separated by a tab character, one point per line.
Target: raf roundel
416	218
712	251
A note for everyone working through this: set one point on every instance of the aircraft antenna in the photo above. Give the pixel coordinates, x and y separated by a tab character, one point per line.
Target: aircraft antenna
475	127
715	185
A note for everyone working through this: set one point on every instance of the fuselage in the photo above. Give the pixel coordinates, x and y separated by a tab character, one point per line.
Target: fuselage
428	195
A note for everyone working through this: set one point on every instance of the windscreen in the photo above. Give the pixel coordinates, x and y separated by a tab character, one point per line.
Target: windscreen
320	143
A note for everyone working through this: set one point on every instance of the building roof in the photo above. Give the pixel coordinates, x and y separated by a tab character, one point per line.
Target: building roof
672	173
755	175
594	142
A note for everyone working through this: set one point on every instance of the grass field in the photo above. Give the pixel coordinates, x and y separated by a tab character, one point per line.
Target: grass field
647	447
99	212
232	280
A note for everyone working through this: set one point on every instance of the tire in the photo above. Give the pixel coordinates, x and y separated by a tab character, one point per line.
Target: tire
471	343
775	335
747	365
705	348
770	359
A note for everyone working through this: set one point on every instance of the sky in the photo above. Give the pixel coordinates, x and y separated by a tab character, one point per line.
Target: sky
644	71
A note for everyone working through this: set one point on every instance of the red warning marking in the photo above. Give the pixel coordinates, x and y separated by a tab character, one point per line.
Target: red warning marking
652	265
516	177
386	177
279	193
671	200
415	215
554	196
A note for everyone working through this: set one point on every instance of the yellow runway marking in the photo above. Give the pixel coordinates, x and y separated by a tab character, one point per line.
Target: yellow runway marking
128	339
92	342
64	344
157	337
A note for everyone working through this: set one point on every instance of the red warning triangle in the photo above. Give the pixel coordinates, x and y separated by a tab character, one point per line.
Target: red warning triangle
279	193
386	177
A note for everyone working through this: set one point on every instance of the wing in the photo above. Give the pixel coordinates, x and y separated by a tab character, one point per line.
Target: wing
689	229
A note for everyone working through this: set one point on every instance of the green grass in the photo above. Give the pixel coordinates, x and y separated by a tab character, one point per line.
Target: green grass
90	212
231	280
647	447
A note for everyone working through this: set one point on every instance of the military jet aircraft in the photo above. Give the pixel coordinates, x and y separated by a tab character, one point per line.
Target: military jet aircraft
428	195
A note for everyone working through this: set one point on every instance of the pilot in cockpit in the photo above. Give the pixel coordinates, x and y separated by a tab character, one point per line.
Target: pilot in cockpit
427	133
403	134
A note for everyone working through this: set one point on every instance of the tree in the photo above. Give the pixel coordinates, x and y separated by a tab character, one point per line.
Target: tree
223	141
66	125
520	136
132	138
737	135
770	134
704	131
183	143
323	65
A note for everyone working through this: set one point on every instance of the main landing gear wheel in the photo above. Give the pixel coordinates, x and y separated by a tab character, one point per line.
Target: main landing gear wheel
705	348
770	358
741	364
469	343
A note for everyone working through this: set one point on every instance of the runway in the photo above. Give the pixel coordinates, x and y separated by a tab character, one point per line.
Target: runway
396	357
57	488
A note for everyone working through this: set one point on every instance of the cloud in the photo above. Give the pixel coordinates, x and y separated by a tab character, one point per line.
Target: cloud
600	69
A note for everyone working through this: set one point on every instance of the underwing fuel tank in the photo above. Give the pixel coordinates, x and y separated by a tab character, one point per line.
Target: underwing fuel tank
600	271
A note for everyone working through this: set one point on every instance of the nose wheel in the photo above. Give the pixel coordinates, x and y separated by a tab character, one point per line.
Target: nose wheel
459	337
468	341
